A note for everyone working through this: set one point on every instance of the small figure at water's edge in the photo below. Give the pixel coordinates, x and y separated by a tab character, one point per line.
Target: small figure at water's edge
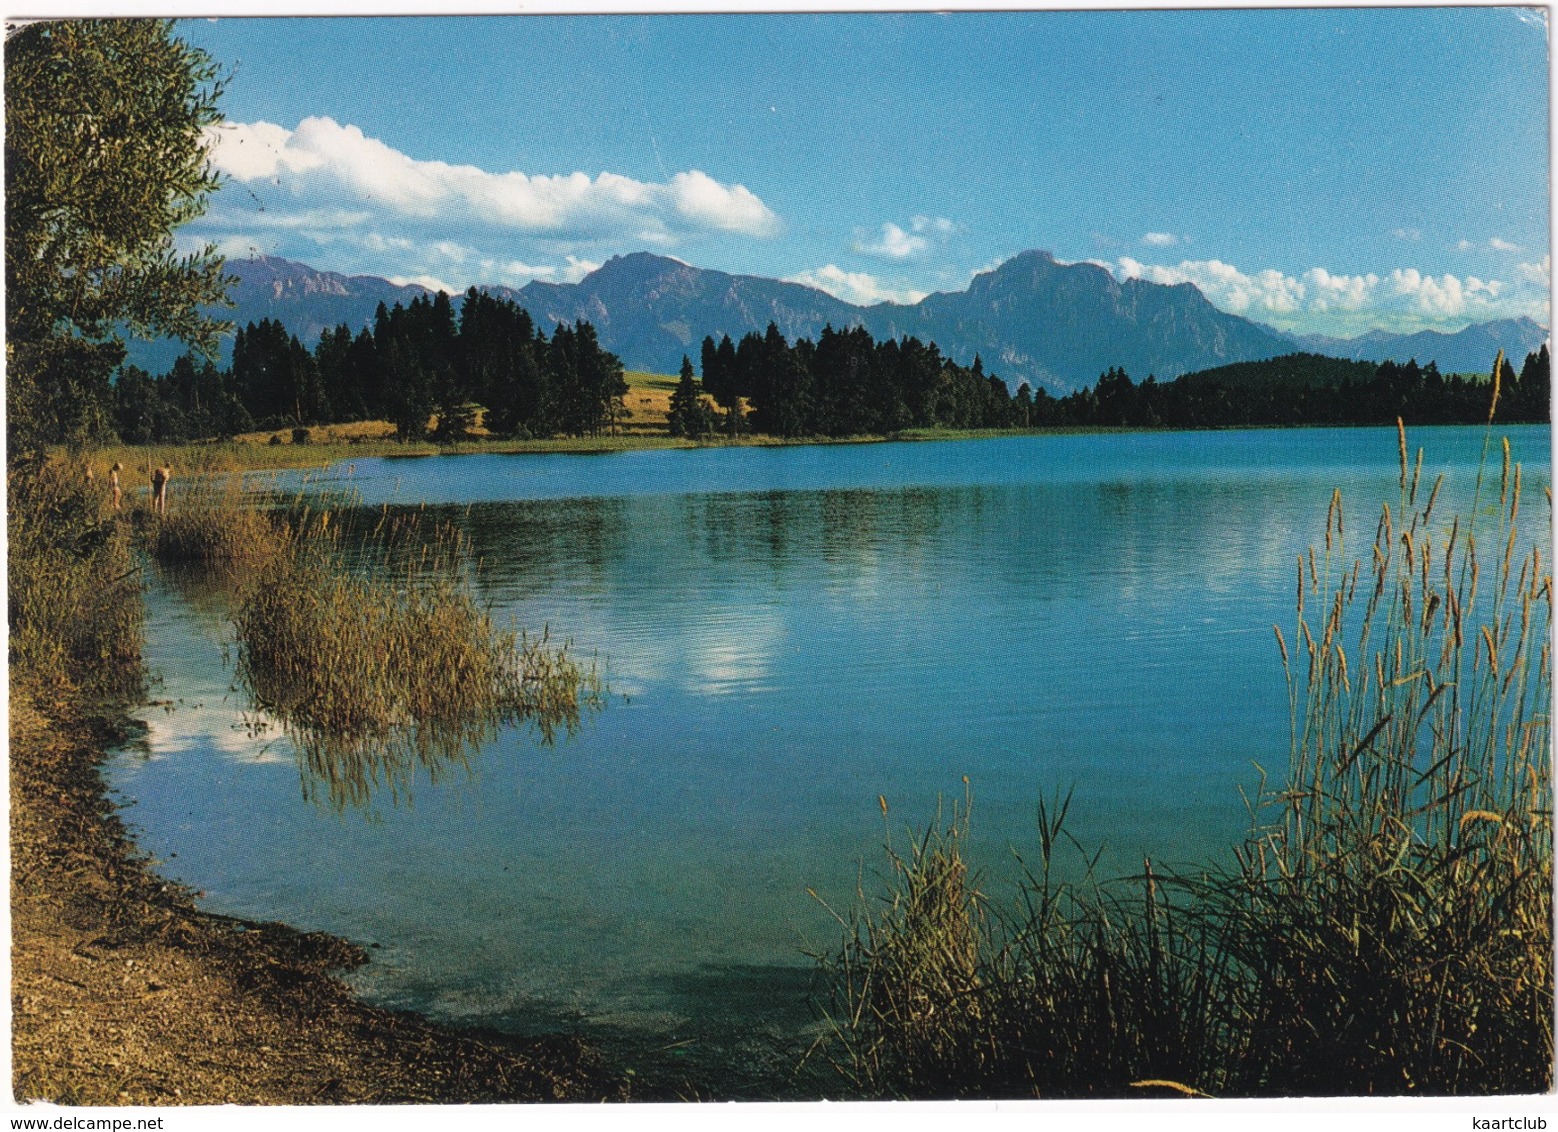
159	489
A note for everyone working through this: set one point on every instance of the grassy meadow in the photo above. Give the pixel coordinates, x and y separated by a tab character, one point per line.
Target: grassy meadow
648	400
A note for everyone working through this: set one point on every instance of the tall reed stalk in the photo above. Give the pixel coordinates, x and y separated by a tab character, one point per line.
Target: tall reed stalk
910	994
1386	926
358	632
1393	915
216	531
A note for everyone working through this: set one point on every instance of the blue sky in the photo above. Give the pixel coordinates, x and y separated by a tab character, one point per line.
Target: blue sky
1323	170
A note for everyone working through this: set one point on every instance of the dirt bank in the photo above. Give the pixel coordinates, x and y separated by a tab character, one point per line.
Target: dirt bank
123	992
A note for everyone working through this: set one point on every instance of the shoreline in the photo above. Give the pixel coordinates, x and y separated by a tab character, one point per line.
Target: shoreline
124	992
255	456
243	455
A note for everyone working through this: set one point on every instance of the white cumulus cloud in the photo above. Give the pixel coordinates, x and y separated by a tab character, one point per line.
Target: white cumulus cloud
938	226
577	269
703	201
328	187
323	157
1536	272
856	287
894	242
1266	292
431	282
1497	243
1318	300
1160	239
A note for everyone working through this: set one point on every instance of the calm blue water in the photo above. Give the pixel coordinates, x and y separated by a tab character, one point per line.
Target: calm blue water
791	632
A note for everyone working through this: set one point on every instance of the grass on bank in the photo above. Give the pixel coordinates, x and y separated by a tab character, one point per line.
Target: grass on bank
1386	926
74	611
220	458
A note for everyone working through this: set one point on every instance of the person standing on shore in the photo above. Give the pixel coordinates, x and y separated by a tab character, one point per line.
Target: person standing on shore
113	482
159	488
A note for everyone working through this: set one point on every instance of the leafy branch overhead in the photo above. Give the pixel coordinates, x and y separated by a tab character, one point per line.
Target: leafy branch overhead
105	157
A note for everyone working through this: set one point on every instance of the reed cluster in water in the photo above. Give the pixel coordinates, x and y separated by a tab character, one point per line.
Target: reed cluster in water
214	529
371	650
1386	926
358	632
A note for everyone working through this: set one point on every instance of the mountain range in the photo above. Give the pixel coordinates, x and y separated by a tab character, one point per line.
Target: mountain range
1471	350
1032	318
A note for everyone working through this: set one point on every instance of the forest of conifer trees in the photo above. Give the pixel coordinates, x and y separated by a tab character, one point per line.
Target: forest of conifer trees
416	362
846	384
421	362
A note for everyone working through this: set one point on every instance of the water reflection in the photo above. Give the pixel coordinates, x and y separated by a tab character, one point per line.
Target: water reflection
362	645
1087	611
345	771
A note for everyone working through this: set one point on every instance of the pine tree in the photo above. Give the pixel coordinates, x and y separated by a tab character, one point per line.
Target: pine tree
688	416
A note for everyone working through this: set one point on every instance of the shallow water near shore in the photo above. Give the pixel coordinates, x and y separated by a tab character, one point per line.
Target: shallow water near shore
790	634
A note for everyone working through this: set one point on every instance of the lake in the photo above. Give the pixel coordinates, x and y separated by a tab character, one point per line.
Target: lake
790	635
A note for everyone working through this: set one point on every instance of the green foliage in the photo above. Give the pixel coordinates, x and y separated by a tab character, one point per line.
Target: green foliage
502	359
1531	398
105	157
194	400
58	390
585	383
847	384
689	416
455	423
1299	389
277	378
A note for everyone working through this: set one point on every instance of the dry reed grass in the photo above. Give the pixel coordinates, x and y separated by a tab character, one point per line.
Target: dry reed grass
1386	927
371	651
74	611
1393	910
358	632
214	527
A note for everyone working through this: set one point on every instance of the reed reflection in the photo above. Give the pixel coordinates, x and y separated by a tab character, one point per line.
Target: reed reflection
359	634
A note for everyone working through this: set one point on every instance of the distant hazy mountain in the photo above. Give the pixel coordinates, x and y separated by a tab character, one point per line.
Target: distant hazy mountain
651	310
1466	351
1032	319
306	301
1062	325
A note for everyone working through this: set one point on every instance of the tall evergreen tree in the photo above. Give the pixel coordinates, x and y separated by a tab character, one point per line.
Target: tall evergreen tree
688	415
409	399
1534	399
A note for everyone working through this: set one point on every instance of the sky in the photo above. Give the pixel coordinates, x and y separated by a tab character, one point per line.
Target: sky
1322	171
